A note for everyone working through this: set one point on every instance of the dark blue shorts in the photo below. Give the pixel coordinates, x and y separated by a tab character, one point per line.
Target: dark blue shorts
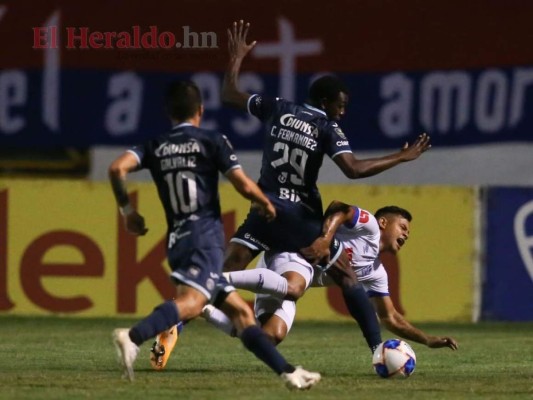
296	226
196	256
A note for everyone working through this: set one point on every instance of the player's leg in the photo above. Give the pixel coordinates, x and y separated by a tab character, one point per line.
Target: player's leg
302	227
276	323
237	257
276	317
219	320
251	238
356	300
165	341
187	305
256	341
295	269
196	262
286	276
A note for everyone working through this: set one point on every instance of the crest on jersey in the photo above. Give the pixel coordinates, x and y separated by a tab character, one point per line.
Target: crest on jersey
194	271
339	132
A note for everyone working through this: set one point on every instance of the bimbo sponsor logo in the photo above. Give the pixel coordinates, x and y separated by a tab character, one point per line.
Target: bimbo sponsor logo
48	37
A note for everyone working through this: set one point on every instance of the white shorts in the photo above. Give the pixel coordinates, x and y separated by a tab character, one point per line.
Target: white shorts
281	263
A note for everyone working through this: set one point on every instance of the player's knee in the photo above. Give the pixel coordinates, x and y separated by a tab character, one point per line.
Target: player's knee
188	308
242	317
296	285
275	334
295	290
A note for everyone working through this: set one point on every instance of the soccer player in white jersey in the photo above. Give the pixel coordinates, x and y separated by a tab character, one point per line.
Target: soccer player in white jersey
364	236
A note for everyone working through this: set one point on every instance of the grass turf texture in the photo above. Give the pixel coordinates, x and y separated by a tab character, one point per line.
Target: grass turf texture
71	358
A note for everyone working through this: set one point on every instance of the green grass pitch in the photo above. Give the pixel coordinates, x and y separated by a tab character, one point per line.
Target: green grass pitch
72	358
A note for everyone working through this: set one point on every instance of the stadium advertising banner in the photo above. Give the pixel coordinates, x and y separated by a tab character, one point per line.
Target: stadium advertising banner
82	74
508	272
75	258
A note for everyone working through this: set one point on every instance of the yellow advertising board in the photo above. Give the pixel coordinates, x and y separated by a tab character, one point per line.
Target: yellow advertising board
63	250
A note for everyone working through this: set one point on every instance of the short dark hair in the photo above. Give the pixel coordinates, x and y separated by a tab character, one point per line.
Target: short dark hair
182	100
393	210
326	87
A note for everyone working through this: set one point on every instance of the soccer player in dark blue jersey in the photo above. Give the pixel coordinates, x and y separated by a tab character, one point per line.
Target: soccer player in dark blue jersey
185	164
297	136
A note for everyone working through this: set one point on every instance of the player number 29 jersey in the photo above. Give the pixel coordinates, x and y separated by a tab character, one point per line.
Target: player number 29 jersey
296	139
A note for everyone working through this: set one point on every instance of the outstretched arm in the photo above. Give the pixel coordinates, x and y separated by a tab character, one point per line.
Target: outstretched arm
397	324
249	190
354	168
336	214
238	49
118	170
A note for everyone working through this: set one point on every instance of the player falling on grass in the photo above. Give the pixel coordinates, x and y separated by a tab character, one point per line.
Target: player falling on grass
297	136
364	237
185	163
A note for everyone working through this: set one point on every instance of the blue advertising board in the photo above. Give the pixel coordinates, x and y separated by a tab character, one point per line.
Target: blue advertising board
94	74
508	270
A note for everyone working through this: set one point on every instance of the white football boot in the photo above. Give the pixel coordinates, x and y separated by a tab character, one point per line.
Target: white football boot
300	379
127	351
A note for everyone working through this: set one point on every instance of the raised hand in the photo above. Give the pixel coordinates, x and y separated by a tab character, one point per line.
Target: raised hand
414	151
237	46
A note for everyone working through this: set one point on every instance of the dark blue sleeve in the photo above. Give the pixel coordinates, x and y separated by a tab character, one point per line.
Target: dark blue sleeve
336	141
263	107
225	158
140	152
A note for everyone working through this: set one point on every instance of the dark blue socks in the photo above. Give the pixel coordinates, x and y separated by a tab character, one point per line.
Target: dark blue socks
362	311
163	317
255	340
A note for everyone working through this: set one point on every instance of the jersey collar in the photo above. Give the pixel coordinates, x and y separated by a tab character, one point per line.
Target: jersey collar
315	109
183	124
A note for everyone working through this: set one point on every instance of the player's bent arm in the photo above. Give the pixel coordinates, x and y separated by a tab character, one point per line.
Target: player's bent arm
397	324
354	168
336	214
249	190
237	47
118	170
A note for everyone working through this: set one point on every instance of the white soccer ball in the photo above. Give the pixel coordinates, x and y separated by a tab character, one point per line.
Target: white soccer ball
394	358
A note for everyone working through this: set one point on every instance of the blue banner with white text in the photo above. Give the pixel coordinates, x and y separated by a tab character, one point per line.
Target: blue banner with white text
85	108
508	270
83	74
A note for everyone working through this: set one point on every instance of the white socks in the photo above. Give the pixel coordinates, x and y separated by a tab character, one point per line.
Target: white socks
259	280
217	318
